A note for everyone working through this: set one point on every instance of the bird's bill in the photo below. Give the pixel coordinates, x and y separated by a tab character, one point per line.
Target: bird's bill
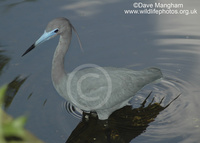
45	36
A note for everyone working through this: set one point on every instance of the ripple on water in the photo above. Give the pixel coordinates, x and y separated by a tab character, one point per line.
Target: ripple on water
77	113
173	122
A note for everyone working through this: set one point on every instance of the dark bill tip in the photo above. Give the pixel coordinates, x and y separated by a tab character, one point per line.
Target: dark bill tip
29	49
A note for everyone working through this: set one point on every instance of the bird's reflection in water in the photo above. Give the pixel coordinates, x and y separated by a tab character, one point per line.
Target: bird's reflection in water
122	126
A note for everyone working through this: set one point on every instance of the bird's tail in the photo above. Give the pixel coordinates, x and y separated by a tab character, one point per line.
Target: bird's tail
153	75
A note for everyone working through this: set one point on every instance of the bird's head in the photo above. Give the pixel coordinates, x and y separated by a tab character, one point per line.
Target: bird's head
57	26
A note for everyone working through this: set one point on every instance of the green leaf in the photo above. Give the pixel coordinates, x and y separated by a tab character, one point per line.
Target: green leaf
2	93
15	127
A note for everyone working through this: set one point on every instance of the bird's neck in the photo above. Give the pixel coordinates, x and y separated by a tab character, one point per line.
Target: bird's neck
58	70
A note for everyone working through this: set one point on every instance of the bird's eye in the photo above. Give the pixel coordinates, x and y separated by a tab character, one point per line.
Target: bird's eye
56	31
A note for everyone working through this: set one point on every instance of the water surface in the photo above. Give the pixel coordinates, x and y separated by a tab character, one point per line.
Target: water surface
109	38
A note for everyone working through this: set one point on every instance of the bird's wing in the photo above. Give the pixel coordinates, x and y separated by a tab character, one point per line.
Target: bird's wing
96	89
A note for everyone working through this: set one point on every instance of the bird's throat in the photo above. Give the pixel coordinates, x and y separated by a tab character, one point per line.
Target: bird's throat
58	70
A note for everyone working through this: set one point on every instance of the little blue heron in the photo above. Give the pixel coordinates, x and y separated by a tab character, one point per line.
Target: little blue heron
119	84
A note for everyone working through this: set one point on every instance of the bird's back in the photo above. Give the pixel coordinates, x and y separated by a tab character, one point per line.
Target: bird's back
105	91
